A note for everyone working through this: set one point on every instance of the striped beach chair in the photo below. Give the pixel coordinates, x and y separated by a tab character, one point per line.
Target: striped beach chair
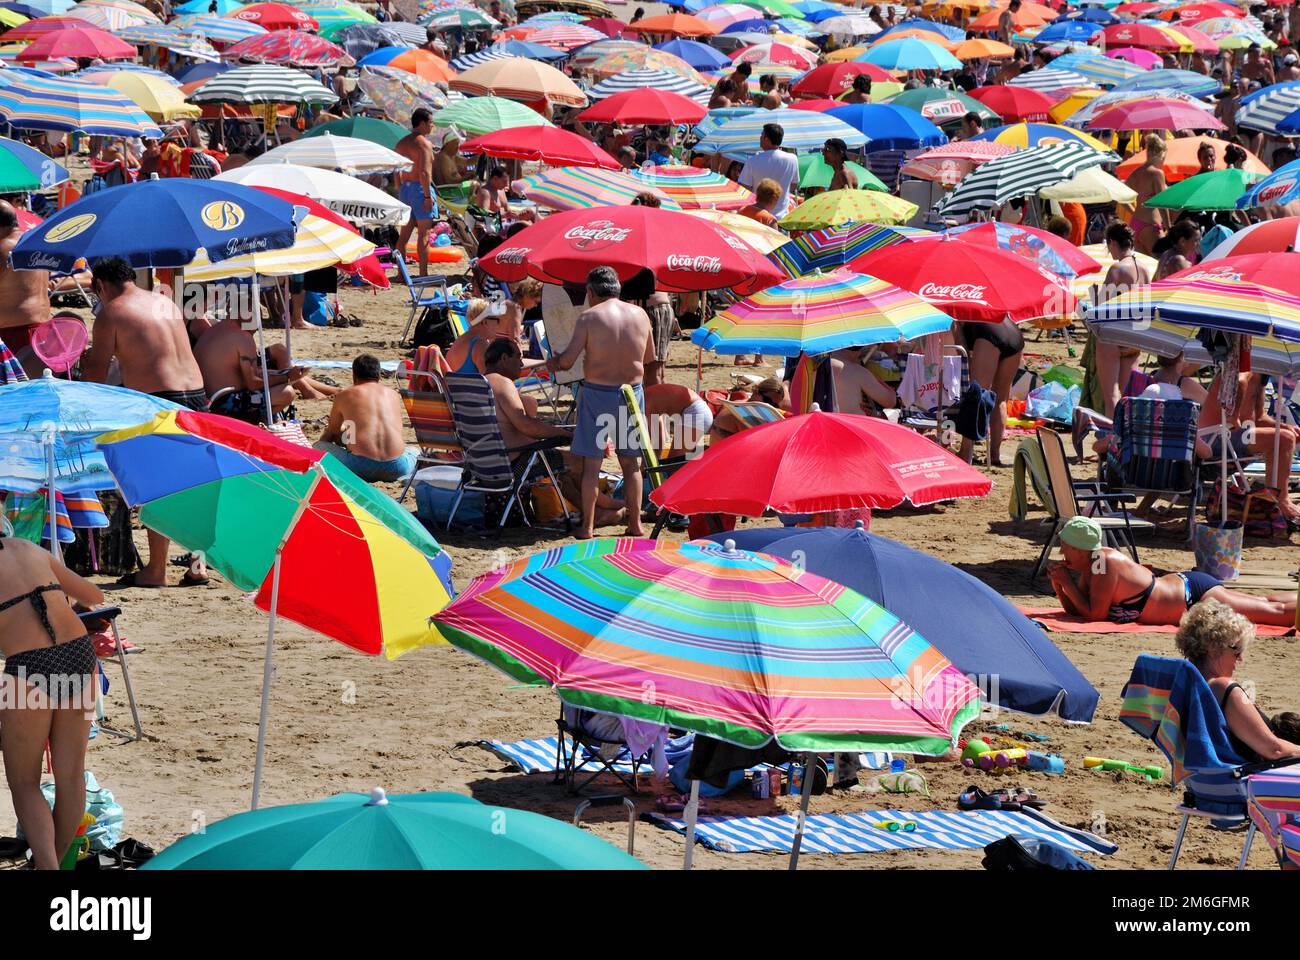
1273	803
1155	451
425	399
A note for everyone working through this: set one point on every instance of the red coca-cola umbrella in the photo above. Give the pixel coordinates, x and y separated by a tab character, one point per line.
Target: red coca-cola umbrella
832	79
816	463
1016	104
970	281
368	267
560	148
684	253
276	16
645	105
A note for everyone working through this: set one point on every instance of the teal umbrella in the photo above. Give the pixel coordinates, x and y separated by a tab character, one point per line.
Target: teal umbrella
815	172
383	132
1216	190
415	831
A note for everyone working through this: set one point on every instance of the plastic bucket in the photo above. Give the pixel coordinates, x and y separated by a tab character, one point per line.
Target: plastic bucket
1218	549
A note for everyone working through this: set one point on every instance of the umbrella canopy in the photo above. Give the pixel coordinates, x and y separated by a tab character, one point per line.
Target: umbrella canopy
317	243
420	831
337	17
1181	159
1145	37
814	171
343	154
422	63
218	29
701	56
480	115
762	239
1280	271
694	187
383	132
1015	104
33	29
950	163
1102	69
161	100
1048	250
581	188
609	26
520	79
15	175
1216	190
941	106
649	81
276	16
910	54
1143	59
1156	113
541	144
32	102
1184	81
832	247
223	7
1268	236
353	199
805	130
637	56
1217	302
645	106
458	18
1278	188
683	253
1268	355
361	38
674	25
293	47
834	207
185	216
247	499
666	633
565	36
1067	31
971	281
820	313
43	168
1093	185
779	54
264	83
1039	135
109	18
991	638
1051	80
504	49
833	79
1274	109
398	93
890	127
1022	173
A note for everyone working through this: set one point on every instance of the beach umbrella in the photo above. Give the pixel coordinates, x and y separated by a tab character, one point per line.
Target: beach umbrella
1268	236
609	26
35	103
948	164
946	31
834	207
336	17
1074	101
888	126
318	243
223	7
971	281
551	145
1144	59
701	56
1145	37
982	49
295	48
422	63
275	16
683	253
848	25
1083	115
694	186
84	41
637	56
33	29
385	133
942	106
645	106
108	18
1274	109
1197	42
664	81
479	115
1026	18
218	29
1014	104
805	130
1102	69
316	544
1048	250
504	50
831	247
342	154
581	188
762	239
1067	31
11	371
353	199
1216	190
263	83
1155	114
1183	81
11	18
42	169
1093	185
398	93
947	43
833	79
1050	81
815	172
565	36
820	313
781	54
161	100
458	18
1020	174
520	79
1219	302
991	638
42	8
418	831
725	14
910	53
359	39
583	57
1268	355
674	25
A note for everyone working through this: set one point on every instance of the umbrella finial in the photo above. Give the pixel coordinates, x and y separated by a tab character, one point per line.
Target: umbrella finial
815	408
377	797
729	546
859	525
48	374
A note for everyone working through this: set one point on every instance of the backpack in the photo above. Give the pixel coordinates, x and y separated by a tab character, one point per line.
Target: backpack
1028	853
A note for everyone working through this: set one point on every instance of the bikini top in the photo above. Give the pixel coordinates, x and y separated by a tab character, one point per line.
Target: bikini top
1243	749
469	366
1127	611
37	597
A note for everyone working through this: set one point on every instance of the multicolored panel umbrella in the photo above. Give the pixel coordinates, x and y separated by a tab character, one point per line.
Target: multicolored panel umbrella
695	187
31	102
1046	249
574	188
399	94
835	207
820	313
218	29
1105	71
1268	355
354	565
640	57
11	371
832	247
1217	302
296	48
1023	135
1268	236
732	645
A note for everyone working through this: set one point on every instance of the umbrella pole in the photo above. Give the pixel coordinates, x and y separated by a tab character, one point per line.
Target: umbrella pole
699	369
52	502
267	671
1223	466
261	349
805	792
692	812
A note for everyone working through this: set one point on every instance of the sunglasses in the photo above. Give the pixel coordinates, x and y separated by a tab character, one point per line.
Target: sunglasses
896	826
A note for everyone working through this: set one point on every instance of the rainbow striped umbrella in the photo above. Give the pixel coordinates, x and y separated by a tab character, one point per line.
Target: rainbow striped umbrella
333	17
41	26
832	247
820	313
738	646
35	103
318	545
11	371
695	187
573	188
1214	301
641	57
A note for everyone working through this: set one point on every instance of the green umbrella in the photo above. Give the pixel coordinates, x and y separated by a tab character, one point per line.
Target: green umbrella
333	17
479	115
777	8
417	831
14	175
813	172
941	106
459	18
383	132
1216	190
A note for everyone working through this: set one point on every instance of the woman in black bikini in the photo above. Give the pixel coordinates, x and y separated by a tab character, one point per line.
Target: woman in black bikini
1214	639
46	692
995	350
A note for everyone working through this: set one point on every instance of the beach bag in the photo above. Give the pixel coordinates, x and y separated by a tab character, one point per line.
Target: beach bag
433	504
1256	507
434	329
548	504
106	831
317	309
1029	853
1052	401
1218	549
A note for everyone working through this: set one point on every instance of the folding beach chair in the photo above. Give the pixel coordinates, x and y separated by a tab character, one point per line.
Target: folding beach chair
1156	441
580	752
753	413
118	656
1273	804
488	467
425	399
1167	701
420	296
1066	496
930	420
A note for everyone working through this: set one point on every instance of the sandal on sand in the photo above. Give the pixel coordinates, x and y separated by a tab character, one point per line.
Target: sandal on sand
973	798
128	580
190	580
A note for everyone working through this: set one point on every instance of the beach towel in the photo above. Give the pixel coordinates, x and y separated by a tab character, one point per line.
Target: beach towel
974	411
1029	457
857	832
1156	442
1055	618
813	381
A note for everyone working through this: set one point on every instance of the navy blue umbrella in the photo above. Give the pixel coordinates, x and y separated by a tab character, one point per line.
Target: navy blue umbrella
159	223
203	71
701	56
1090	14
757	25
967	621
889	127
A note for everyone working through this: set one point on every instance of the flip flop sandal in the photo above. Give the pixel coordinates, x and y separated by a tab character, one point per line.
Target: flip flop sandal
1025	798
128	580
973	798
184	560
189	580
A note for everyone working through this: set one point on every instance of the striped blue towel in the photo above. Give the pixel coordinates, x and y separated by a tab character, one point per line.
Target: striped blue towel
857	833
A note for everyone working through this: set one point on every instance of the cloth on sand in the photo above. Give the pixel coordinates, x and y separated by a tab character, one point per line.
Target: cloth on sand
1055	618
1029	458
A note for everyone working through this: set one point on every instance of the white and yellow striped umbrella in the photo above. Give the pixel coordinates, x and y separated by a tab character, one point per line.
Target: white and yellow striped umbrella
318	243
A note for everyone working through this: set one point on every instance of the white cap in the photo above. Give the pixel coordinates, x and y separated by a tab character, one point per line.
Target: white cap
495	308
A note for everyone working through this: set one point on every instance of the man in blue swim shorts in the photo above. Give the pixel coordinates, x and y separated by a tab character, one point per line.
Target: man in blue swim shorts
415	187
613	339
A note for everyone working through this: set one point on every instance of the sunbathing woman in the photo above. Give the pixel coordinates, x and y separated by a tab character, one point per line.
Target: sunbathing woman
1112	586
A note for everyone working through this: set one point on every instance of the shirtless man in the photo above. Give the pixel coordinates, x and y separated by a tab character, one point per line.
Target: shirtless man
1007	22
613	338
414	185
492	198
860	91
834	152
227	355
1256	69
520	426
1251	431
365	427
146	333
855	385
24	296
1148	180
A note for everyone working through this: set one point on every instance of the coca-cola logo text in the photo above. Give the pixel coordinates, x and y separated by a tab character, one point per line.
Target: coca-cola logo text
963	292
676	261
596	234
511	255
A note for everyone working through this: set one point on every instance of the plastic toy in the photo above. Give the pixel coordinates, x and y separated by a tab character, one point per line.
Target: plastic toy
80	843
1095	763
896	826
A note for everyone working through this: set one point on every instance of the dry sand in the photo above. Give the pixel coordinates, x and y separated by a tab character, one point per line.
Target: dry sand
341	721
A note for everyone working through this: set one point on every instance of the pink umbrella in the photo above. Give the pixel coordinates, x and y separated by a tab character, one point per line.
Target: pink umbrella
85	41
1201	42
725	14
1157	113
1141	58
950	163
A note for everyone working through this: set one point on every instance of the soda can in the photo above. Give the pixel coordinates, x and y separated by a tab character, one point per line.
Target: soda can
760	784
773	782
796	779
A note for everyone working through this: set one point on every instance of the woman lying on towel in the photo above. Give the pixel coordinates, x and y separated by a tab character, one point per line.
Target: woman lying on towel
1102	583
1214	639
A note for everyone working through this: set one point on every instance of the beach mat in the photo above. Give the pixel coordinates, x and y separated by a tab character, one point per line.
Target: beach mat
538	756
857	833
1056	619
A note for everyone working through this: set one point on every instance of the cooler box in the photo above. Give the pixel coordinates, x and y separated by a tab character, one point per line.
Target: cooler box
435	495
